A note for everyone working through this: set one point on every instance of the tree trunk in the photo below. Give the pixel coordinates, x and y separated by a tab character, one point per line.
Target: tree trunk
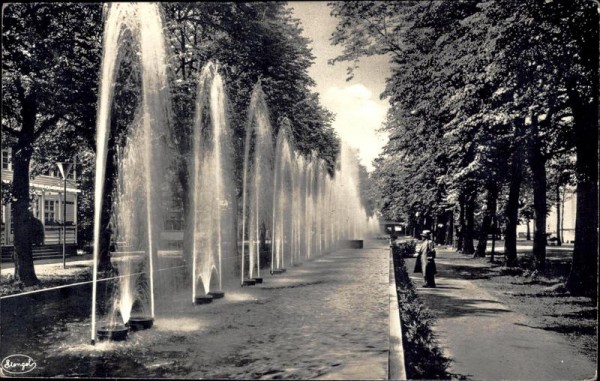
512	208
558	227
584	269
537	162
449	228
440	232
461	225
188	214
486	226
468	247
494	227
24	269
562	214
22	218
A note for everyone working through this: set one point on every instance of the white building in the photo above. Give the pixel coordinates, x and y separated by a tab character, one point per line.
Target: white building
47	206
568	214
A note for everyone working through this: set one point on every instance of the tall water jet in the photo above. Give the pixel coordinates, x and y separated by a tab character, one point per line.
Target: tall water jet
212	203
283	199
144	22
311	200
257	182
299	212
348	201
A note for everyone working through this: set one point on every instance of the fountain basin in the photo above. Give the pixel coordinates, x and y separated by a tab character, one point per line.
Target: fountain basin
298	264
352	244
204	299
138	323
217	294
258	280
278	271
116	332
249	282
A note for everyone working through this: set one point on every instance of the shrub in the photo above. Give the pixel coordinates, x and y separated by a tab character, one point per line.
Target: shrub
423	358
37	231
405	249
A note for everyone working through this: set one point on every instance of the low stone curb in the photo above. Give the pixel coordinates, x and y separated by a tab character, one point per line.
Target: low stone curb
396	367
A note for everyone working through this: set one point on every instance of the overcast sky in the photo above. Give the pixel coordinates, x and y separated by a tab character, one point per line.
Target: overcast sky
359	112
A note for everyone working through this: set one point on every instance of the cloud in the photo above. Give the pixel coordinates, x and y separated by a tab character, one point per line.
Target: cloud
358	115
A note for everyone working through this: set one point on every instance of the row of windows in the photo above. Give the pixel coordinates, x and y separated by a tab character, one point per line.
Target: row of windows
5	159
51	212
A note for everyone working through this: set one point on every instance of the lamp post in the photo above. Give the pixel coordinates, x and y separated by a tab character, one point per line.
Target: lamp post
64	169
416	223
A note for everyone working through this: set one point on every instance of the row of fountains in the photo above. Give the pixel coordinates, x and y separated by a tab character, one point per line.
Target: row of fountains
291	207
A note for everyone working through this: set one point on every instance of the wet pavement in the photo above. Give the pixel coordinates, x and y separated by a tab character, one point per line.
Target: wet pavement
325	319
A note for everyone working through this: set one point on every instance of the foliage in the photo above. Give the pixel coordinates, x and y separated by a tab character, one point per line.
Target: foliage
423	357
465	76
50	56
251	42
405	249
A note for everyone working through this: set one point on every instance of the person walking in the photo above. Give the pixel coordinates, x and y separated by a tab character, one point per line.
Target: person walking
427	258
418	262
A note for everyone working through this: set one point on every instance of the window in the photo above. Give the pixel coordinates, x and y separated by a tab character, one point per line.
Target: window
49	215
50	172
174	216
6	159
70	212
174	221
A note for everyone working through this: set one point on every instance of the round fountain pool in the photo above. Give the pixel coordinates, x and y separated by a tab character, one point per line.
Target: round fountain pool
115	332
258	280
137	323
249	282
217	294
278	271
203	299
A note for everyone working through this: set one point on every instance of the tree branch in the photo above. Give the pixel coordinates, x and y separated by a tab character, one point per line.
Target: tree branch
11	131
45	126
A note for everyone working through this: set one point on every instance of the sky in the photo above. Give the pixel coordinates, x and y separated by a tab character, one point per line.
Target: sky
359	112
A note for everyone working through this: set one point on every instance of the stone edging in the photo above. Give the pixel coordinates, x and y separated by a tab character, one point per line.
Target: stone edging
396	367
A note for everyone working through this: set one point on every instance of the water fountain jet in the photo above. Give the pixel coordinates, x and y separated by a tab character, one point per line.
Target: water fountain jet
257	183
212	199
144	168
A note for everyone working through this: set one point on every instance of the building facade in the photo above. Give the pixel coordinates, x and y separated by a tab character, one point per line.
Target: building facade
48	204
567	220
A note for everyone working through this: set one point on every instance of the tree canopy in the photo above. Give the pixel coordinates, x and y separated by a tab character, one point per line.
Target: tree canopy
476	88
51	60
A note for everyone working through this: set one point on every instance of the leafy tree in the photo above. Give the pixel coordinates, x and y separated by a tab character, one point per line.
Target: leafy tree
502	81
50	62
251	42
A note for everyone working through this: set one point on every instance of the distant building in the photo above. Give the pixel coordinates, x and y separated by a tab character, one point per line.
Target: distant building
47	205
568	215
387	227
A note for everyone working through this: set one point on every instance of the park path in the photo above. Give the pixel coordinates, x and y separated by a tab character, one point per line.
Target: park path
485	339
326	319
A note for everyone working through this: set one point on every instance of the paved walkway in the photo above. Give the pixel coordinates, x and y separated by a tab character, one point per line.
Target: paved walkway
327	319
488	341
